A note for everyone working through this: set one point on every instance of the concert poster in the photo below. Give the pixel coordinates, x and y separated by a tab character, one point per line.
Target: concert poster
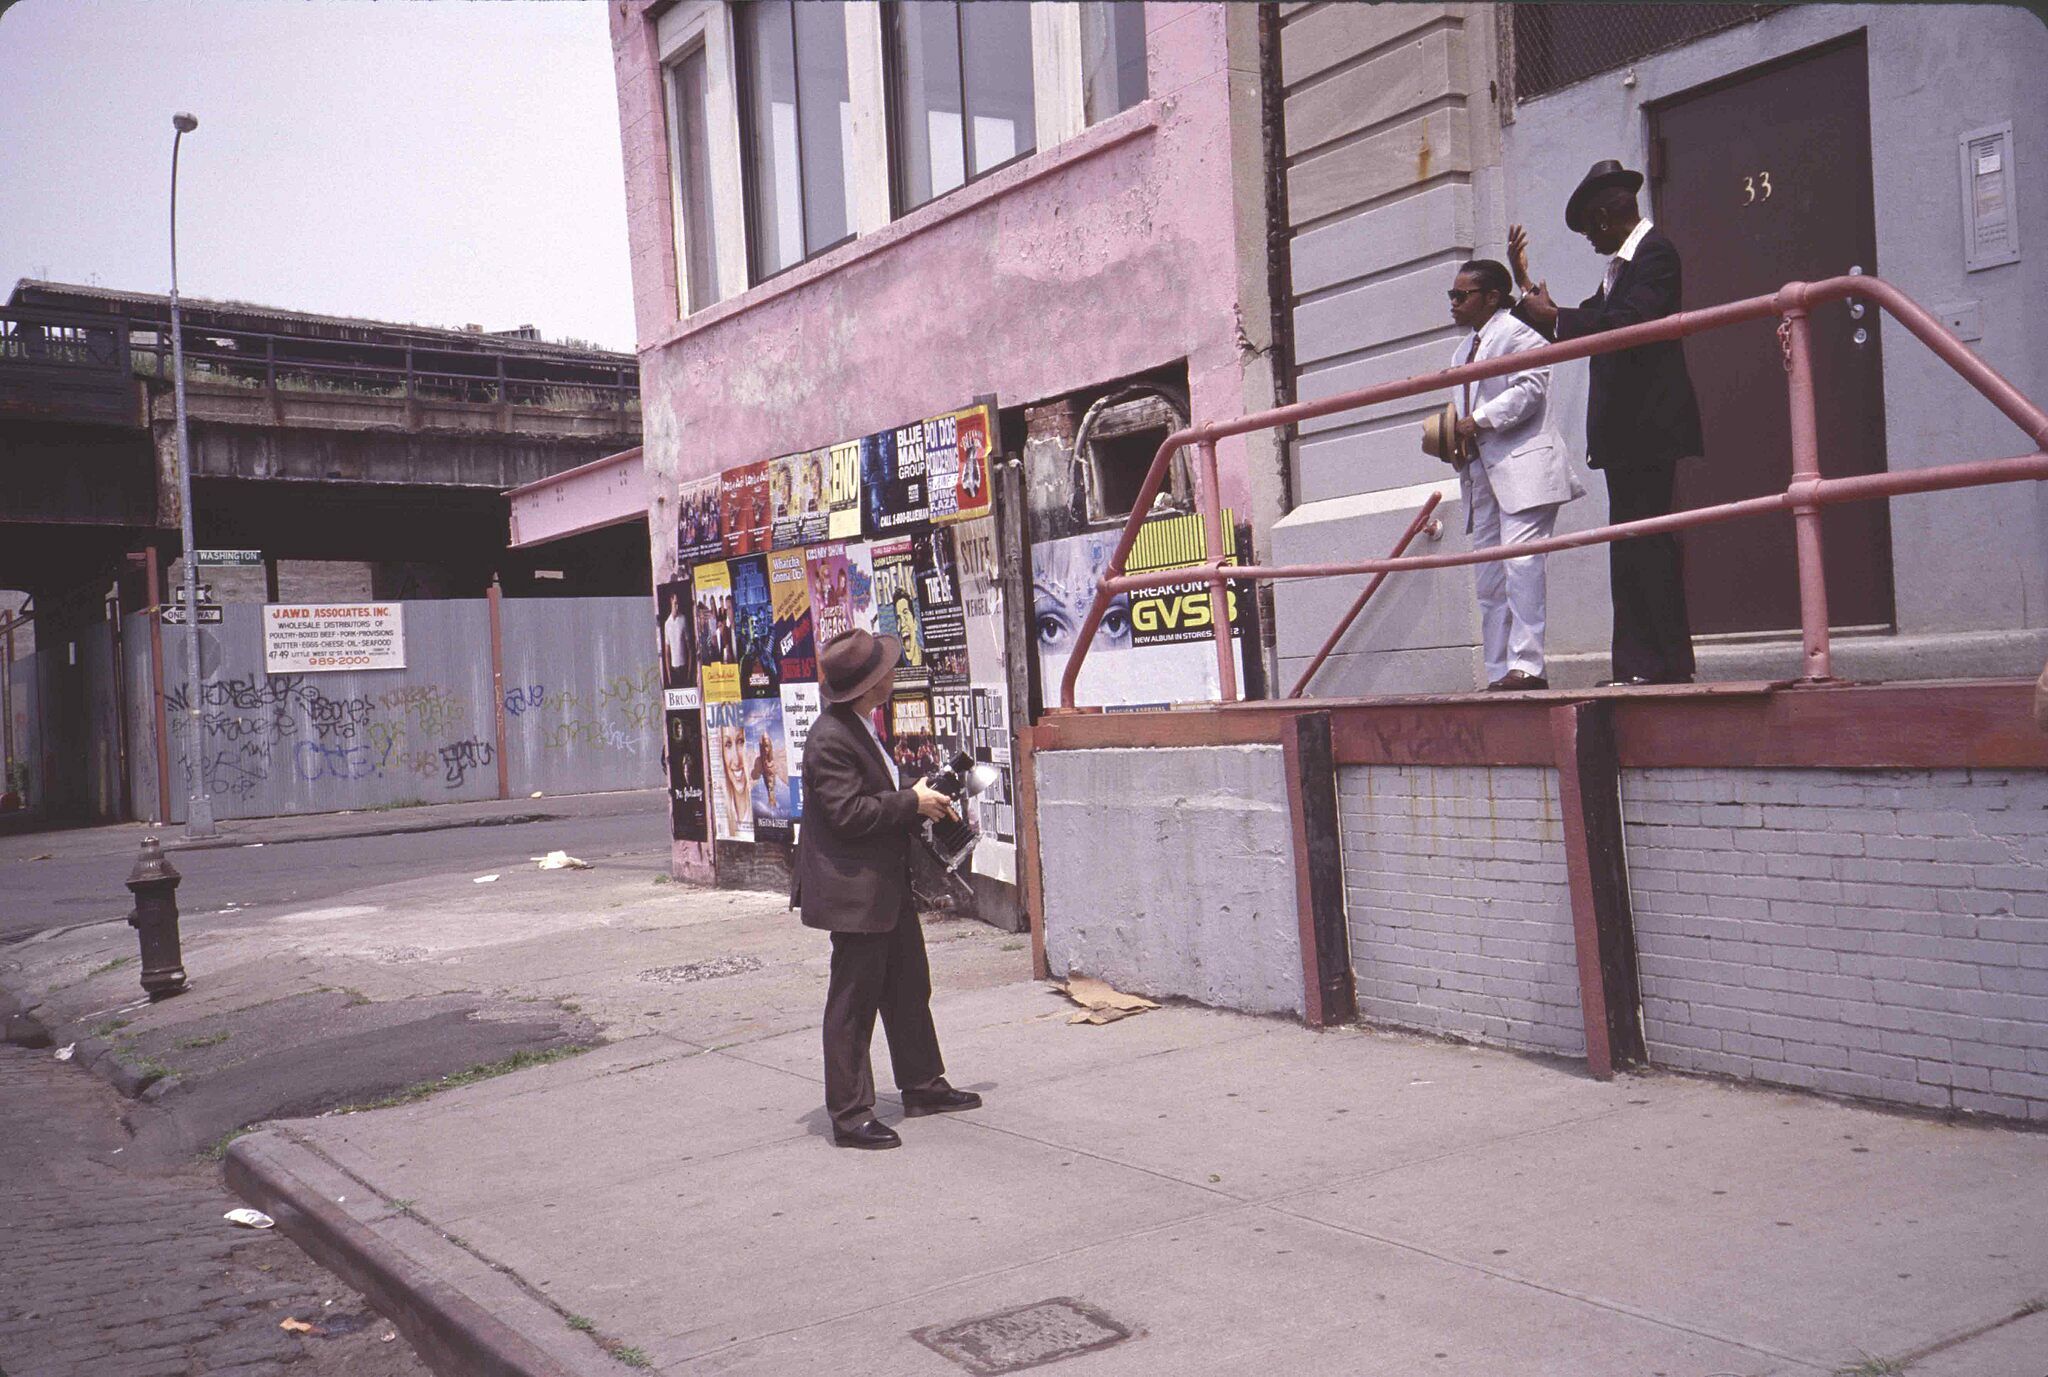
842	496
957	449
698	531
796	488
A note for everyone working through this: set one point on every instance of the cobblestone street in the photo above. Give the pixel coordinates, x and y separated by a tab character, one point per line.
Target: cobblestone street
113	1271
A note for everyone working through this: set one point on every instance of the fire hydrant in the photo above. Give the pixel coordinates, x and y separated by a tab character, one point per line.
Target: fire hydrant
154	883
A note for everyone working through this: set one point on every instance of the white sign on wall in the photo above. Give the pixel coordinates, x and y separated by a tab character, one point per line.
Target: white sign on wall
309	638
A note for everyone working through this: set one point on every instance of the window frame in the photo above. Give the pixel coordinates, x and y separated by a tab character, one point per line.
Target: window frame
743	104
900	204
696	46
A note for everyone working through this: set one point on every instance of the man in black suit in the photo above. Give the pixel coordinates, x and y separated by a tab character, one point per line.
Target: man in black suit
852	878
1641	415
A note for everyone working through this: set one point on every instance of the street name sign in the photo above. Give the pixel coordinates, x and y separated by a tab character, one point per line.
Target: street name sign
243	558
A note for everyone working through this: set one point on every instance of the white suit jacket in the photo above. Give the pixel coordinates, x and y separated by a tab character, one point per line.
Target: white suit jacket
1526	459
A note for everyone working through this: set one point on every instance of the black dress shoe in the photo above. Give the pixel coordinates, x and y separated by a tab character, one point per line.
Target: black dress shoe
872	1134
941	1100
1518	681
1634	681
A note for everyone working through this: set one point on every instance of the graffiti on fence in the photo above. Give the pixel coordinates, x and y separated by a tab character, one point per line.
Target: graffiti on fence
527	698
458	758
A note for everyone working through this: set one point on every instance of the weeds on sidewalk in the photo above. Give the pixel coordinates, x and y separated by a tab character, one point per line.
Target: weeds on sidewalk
116	964
219	1150
616	1348
210	1040
518	1061
1872	1367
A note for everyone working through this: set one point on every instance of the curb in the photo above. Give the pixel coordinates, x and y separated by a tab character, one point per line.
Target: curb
459	1329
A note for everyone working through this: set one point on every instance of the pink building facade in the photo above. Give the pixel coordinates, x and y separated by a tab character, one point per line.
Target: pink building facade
1125	244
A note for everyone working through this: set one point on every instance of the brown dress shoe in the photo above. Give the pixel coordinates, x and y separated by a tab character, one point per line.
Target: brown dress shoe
1517	681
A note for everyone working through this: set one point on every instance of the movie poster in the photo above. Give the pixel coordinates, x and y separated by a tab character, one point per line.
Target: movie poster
942	616
698	536
910	737
896	609
686	797
957	458
718	658
676	630
1151	647
981	600
796	652
732	809
843	509
796	488
801	705
770	790
841	579
995	809
746	520
893	482
753	619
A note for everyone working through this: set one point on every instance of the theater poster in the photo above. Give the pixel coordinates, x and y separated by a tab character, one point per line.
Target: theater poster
842	487
796	494
841	579
896	612
796	654
956	460
686	795
698	529
732	809
892	477
718	659
1152	647
942	615
753	615
746	516
911	743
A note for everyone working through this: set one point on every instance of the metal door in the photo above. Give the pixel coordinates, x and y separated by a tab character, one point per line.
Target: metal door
1764	179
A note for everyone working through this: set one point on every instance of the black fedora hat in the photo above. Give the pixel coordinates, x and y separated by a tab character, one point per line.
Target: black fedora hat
1605	173
854	662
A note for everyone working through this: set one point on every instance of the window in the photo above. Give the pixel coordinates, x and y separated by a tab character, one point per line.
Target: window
796	130
961	102
1112	57
689	91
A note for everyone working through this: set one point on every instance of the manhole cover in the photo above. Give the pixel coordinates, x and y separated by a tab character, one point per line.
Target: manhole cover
713	969
1012	1340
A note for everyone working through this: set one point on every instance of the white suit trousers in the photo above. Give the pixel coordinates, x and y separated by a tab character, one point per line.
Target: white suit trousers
1511	591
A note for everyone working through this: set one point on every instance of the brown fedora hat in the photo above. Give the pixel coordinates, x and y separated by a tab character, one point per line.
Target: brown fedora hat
1603	174
1440	434
854	662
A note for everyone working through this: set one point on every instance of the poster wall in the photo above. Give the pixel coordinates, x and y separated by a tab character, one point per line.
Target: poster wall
676	629
686	795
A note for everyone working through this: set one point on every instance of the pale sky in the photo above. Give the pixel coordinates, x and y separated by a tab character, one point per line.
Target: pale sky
442	162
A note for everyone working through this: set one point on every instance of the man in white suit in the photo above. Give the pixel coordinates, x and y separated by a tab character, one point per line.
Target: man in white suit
1515	472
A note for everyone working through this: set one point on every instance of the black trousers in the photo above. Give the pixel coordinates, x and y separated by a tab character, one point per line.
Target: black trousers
1646	578
886	973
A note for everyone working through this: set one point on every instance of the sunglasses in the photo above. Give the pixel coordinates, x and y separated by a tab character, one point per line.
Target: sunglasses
1458	296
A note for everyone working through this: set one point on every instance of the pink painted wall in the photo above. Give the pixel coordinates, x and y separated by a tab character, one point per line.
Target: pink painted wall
1119	257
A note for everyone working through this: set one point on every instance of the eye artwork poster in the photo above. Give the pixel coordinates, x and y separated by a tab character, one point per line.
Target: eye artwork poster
698	529
753	611
896	610
943	616
843	509
746	519
718	657
796	655
841	579
796	489
1151	647
684	744
732	809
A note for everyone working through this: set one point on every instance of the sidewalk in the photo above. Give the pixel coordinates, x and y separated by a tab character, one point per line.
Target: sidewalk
1239	1195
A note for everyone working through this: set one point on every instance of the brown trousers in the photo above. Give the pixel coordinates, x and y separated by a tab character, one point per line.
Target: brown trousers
886	973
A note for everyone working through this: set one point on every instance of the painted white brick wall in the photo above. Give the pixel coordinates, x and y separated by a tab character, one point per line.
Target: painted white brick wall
1881	933
1458	903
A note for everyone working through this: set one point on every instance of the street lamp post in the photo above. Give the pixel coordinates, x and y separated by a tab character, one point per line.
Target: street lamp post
198	803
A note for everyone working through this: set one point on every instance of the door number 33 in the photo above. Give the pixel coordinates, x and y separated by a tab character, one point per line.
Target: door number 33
1757	188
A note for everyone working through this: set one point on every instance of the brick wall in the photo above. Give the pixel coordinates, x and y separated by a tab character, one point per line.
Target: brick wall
1861	932
1458	904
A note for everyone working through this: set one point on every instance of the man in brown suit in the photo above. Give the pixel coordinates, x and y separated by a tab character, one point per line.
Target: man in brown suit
853	879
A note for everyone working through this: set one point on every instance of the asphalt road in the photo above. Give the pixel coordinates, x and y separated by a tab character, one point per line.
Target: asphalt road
85	884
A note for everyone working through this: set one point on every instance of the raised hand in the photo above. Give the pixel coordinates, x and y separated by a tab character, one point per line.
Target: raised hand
1518	255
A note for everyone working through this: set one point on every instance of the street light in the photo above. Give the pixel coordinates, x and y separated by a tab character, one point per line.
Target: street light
198	803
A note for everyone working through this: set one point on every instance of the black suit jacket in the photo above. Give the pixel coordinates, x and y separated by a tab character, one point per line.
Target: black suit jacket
852	871
1641	409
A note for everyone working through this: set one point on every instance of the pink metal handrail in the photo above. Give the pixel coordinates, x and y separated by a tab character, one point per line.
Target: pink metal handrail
1804	496
1415	528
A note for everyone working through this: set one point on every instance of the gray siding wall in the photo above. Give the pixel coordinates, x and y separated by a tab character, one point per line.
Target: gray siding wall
1460	911
1874	933
1171	872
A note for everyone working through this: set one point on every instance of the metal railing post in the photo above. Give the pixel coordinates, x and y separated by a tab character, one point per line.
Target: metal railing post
1803	492
1219	590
